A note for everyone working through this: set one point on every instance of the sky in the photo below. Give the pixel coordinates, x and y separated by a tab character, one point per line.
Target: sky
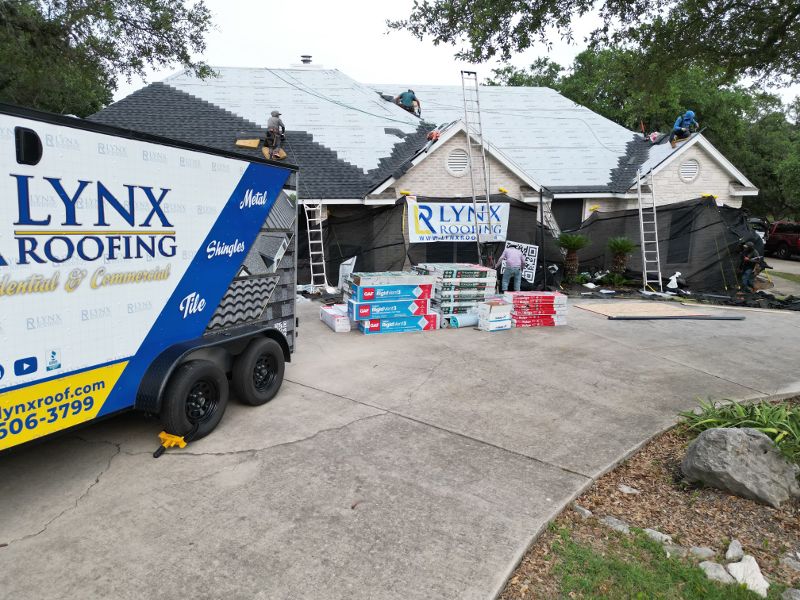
350	36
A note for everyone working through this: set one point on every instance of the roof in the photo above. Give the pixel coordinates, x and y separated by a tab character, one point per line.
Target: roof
563	145
342	135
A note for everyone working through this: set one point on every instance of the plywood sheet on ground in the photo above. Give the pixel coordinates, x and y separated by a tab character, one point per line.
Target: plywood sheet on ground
624	308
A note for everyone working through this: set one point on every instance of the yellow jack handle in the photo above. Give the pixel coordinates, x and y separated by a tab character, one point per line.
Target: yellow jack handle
169	441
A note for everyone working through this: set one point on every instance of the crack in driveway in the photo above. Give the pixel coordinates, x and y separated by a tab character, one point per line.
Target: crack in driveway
103	471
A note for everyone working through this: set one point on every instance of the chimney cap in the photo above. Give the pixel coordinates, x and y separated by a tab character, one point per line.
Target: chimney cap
305	59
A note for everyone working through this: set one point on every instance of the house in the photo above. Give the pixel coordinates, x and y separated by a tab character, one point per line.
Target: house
357	150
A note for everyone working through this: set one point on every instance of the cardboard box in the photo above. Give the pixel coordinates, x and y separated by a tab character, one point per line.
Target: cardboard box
498	325
378	293
455	310
335	317
456	270
494	310
364	311
390	278
427	322
468	293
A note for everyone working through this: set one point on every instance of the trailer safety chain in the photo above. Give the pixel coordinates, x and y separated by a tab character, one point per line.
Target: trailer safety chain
169	440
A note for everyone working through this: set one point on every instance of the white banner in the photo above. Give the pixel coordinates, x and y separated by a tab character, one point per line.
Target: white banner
455	221
531	254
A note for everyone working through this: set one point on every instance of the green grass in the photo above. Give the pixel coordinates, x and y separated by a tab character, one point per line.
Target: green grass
787	276
779	420
635	567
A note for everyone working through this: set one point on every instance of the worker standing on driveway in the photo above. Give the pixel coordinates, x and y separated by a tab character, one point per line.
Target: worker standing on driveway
275	134
513	268
682	128
750	260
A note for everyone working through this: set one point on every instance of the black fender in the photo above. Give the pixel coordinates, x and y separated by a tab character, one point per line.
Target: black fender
231	342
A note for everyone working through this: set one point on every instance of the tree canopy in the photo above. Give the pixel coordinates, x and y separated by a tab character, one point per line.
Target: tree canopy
750	127
66	56
756	38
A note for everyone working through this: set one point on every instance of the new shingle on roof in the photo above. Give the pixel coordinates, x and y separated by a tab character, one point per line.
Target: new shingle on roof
161	109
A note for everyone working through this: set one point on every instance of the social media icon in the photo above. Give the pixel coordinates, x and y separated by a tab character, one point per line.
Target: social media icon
25	366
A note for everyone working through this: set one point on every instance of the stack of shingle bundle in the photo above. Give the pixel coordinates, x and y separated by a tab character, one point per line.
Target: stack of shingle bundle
537	309
390	302
459	287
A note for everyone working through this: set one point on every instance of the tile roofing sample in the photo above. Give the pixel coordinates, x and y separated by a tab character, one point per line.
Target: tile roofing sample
561	144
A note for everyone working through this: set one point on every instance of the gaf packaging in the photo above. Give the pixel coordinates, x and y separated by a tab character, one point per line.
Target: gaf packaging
335	317
456	271
498	325
375	293
364	311
398	324
390	278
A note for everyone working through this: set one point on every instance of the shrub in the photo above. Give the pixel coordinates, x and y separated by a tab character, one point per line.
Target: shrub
779	420
572	242
620	248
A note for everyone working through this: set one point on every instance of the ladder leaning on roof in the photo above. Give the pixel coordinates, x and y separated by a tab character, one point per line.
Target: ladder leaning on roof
316	250
648	232
476	155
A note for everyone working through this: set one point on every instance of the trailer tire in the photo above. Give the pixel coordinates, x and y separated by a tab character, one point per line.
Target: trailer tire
258	372
195	399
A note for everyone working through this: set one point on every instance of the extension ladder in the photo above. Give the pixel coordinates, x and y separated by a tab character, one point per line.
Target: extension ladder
316	250
476	155
648	232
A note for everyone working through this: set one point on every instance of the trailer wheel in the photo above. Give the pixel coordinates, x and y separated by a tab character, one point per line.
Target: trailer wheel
258	372
195	397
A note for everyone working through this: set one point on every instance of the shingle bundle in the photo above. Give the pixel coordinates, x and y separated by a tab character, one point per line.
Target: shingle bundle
537	309
459	287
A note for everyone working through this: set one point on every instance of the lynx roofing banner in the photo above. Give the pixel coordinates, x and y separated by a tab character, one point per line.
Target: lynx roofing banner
455	221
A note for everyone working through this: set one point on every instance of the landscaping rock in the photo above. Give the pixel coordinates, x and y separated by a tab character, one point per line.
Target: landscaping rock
735	551
657	536
790	594
675	550
702	552
626	489
616	524
716	572
791	562
583	512
746	572
744	462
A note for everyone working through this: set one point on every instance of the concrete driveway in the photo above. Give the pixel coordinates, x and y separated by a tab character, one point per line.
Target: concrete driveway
394	466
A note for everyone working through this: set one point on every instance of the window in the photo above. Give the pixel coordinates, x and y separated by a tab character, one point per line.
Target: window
457	162
28	146
689	170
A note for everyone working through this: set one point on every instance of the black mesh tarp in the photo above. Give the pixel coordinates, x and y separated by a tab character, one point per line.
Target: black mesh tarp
697	238
375	235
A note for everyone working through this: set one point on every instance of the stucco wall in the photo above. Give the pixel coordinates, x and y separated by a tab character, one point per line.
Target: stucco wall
431	177
712	179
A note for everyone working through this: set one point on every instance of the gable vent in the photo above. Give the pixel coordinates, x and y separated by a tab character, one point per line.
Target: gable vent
689	170
458	162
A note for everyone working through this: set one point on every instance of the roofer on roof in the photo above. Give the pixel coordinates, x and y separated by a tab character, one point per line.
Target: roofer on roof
409	101
275	135
682	128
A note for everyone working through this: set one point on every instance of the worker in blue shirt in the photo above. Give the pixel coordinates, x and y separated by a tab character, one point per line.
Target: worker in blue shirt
682	126
409	101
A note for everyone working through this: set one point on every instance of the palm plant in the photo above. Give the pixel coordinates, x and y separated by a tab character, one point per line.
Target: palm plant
572	242
620	248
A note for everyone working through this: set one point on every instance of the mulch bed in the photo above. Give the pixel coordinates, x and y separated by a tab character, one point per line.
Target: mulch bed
692	516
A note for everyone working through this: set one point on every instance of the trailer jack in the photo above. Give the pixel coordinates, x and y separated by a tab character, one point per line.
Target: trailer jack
169	441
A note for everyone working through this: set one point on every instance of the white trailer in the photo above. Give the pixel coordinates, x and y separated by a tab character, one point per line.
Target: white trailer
137	272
